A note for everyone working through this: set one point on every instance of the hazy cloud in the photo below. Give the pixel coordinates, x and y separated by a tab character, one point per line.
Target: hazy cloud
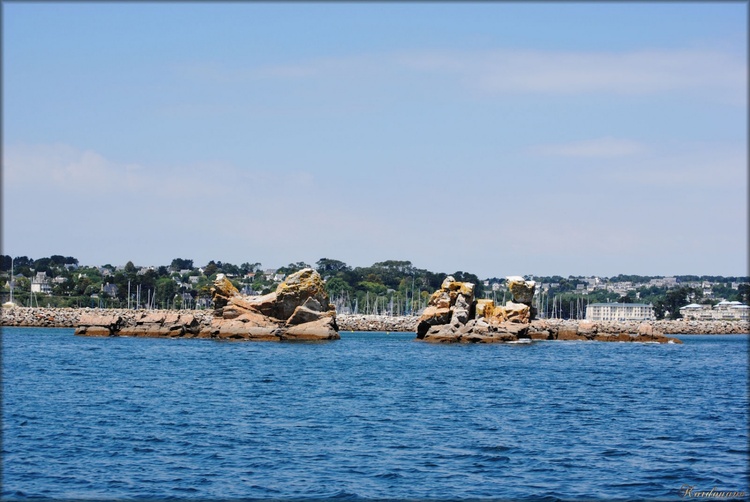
594	148
699	167
557	72
66	170
520	71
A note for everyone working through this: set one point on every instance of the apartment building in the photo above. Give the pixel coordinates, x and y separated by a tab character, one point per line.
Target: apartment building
619	312
722	311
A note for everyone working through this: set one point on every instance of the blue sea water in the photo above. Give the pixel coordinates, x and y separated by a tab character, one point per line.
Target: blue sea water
372	415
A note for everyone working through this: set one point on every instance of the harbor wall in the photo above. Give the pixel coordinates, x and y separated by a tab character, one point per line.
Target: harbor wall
68	318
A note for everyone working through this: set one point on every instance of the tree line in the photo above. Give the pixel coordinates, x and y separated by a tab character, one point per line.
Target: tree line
391	287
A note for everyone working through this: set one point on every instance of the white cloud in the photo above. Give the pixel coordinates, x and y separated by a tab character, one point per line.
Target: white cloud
524	71
701	74
68	171
594	148
700	168
558	72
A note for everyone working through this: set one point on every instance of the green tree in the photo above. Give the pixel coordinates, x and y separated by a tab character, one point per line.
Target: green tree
673	300
337	286
181	264
210	269
166	288
82	285
228	268
328	267
246	267
743	293
293	267
372	287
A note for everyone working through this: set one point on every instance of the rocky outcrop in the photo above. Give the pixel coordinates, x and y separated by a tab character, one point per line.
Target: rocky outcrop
522	290
143	323
161	324
299	309
453	315
97	324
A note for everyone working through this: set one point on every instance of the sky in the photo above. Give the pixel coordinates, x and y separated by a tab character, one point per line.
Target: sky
493	138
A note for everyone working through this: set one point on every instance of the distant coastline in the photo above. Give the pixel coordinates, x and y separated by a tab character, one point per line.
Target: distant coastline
68	318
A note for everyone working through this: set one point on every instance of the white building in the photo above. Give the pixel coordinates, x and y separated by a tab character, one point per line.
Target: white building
41	284
722	311
669	282
735	311
697	312
619	312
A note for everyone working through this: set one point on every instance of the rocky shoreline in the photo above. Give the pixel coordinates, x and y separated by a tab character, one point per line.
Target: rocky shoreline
69	318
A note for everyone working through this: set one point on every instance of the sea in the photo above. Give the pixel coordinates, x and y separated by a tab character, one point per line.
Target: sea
374	416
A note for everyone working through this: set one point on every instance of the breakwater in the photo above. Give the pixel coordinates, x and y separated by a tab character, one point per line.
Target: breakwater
69	318
409	323
358	322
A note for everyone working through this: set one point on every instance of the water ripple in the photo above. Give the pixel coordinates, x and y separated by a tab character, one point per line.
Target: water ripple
369	417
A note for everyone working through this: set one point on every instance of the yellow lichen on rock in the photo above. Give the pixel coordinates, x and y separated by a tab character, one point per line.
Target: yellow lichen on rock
297	289
497	315
224	286
485	307
521	289
222	290
517	312
466	289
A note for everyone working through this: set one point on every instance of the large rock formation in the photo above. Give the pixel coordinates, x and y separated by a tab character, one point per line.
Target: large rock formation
299	309
453	315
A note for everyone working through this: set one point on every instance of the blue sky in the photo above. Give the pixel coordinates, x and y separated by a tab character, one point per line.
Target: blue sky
495	138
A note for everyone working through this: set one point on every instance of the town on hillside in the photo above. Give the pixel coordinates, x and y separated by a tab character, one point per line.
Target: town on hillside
390	287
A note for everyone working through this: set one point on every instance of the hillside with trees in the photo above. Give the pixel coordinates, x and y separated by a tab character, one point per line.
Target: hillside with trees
393	286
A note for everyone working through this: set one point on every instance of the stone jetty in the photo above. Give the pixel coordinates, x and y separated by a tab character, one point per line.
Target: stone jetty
360	322
70	317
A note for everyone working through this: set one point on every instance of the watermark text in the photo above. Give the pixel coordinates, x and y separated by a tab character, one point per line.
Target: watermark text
690	491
